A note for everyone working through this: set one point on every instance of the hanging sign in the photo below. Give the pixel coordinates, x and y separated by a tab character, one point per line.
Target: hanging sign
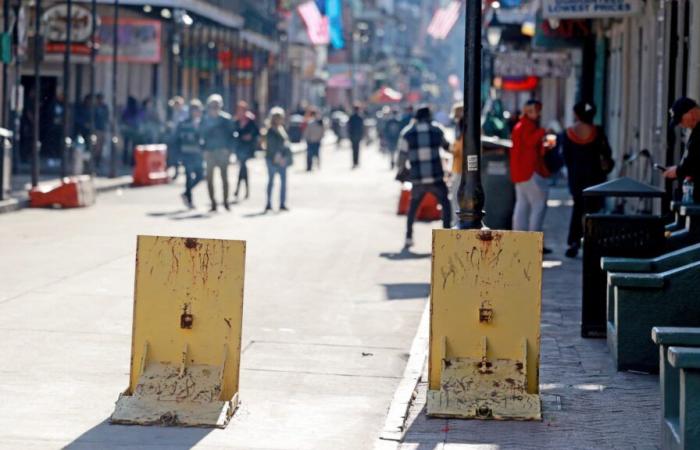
538	64
589	9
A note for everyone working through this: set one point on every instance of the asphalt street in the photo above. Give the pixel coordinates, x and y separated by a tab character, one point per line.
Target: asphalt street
331	307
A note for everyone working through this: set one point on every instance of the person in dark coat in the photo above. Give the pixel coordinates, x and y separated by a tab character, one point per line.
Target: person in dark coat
588	159
246	133
356	131
278	156
686	114
187	142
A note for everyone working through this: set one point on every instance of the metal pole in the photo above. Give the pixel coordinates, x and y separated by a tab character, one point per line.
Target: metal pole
6	103
94	151
471	192
38	41
65	151
113	122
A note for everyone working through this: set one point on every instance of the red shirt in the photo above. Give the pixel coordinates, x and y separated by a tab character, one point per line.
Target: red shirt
526	154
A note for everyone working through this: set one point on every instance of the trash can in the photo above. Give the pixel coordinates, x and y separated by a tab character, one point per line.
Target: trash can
498	187
626	235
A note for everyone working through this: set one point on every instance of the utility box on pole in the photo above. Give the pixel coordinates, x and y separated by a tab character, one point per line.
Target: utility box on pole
485	307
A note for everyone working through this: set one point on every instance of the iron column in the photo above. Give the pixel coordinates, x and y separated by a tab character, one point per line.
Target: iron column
65	150
94	151
113	122
471	192
38	43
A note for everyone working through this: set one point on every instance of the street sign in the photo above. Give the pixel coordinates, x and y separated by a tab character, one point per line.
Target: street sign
590	9
485	325
538	64
186	343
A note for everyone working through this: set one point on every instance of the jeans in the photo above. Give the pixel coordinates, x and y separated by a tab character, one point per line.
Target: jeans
273	169
194	171
530	203
242	176
355	152
313	150
214	159
439	190
454	190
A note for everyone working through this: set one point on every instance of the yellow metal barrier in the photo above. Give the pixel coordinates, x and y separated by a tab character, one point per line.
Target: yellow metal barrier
485	325
186	342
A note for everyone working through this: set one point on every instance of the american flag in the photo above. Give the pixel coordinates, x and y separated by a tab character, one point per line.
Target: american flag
316	24
444	19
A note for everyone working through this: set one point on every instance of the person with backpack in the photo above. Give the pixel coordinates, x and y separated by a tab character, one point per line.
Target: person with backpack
588	158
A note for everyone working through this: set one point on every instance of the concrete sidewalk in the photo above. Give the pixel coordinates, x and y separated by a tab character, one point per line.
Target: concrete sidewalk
586	403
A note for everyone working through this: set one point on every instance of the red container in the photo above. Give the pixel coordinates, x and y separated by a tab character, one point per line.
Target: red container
150	164
428	210
70	192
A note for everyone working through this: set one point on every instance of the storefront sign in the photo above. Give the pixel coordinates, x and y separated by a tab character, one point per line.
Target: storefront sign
55	19
139	40
538	64
589	9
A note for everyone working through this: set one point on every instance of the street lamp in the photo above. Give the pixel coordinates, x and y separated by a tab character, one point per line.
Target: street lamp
471	191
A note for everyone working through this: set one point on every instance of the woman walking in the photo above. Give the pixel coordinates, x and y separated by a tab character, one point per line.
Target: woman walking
588	159
278	156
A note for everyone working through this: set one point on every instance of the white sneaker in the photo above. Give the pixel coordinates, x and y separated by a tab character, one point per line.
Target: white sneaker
408	243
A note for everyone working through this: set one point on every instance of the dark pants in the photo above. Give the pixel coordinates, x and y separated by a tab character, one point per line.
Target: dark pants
439	190
313	150
242	176
581	207
355	152
214	159
194	171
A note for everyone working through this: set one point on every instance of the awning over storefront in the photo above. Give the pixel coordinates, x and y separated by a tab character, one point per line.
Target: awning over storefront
199	7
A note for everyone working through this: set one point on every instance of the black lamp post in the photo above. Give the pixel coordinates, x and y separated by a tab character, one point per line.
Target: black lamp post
113	122
67	141
38	56
471	192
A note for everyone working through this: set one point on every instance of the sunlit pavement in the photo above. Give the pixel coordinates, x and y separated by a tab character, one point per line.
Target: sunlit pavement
586	403
331	307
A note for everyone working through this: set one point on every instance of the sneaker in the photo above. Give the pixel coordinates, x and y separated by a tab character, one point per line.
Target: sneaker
408	243
186	200
284	208
226	206
268	208
571	252
213	208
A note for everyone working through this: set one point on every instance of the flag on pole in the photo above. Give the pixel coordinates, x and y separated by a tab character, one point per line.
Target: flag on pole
444	19
334	12
316	24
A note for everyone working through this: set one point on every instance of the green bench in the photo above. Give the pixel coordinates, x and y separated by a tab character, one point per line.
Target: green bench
679	361
639	301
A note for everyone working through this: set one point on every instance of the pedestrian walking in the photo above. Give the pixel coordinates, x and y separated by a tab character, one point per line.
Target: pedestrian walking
278	156
457	155
528	171
101	125
218	141
686	113
178	114
391	133
187	143
356	131
131	119
419	146
588	160
313	135
246	133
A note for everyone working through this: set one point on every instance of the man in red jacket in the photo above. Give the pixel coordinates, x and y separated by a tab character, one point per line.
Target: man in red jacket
527	170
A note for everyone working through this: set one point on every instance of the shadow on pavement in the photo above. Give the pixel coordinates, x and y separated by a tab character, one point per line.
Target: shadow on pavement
105	435
406	291
167	213
256	214
405	253
192	216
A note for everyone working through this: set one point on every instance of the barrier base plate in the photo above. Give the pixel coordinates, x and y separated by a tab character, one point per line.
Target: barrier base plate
476	389
165	395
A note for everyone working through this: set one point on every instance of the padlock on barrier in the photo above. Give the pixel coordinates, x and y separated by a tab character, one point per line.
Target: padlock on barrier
186	343
485	325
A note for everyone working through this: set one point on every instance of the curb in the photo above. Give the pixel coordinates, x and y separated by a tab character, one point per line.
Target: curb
394	426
